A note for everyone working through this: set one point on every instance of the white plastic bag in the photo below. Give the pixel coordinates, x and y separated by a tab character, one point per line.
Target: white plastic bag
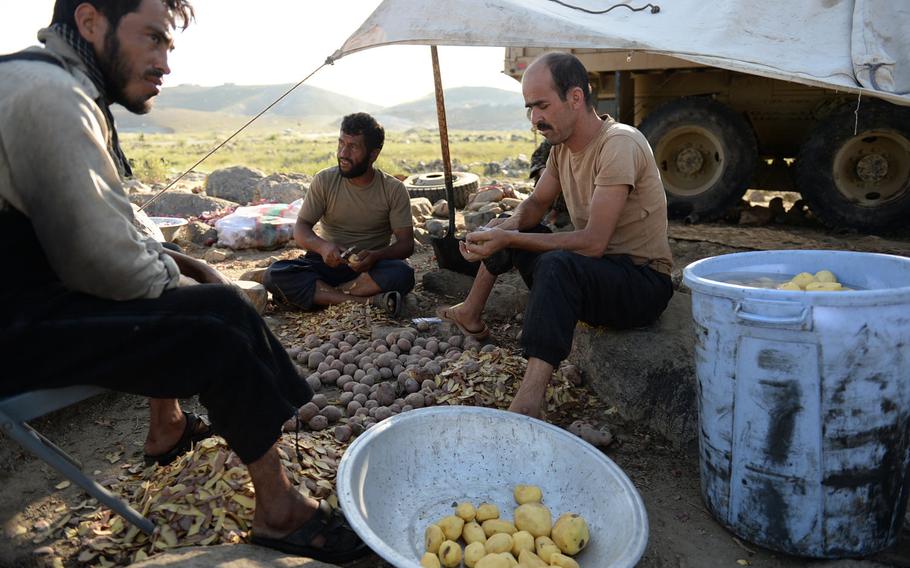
258	226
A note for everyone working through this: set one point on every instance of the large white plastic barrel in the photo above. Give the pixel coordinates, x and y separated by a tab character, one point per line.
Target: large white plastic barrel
804	401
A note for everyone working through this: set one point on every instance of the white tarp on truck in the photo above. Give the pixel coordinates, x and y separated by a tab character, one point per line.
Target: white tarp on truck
847	45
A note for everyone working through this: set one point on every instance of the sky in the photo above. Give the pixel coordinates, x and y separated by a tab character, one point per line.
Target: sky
261	42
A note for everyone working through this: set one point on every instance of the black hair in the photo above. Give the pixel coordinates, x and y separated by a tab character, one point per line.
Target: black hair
114	10
363	123
568	72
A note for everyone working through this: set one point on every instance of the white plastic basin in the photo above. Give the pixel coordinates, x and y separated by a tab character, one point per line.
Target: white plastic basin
406	472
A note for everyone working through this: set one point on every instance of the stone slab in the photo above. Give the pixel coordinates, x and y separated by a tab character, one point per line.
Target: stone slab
229	556
647	374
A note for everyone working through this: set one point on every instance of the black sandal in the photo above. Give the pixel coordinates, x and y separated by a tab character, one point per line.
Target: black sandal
341	542
192	433
388	301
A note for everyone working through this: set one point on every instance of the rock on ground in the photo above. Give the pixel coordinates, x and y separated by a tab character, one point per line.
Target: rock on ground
436	228
256	293
237	184
475	220
421	208
441	209
214	255
488	195
229	555
510	203
180	204
648	373
423	236
200	233
282	188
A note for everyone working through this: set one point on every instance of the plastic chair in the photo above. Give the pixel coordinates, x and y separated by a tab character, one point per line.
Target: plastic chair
16	410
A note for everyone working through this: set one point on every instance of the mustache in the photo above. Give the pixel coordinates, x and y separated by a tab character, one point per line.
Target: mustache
541	126
154	74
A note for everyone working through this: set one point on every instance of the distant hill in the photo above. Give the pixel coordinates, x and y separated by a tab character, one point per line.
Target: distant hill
190	108
467	108
249	100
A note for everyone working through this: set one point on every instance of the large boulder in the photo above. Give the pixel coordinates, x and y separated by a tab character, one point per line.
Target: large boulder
282	188
180	204
237	184
447	283
506	301
648	373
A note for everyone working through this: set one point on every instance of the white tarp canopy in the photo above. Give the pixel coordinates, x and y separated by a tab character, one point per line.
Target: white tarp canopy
847	45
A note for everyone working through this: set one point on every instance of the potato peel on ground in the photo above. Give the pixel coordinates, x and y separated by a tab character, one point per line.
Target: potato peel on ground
206	496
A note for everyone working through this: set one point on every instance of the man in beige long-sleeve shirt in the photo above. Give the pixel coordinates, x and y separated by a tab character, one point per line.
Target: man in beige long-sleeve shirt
93	302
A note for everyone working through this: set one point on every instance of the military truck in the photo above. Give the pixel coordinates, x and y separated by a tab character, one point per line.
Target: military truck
716	133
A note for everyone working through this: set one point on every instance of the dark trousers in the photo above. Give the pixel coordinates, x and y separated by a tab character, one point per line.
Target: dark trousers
203	340
567	287
294	281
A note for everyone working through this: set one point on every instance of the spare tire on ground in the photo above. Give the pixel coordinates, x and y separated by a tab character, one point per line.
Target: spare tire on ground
432	186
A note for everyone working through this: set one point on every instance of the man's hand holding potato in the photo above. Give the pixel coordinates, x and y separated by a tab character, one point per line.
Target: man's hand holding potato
331	255
363	261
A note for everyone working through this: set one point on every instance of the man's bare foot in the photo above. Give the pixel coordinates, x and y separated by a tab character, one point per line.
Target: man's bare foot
165	435
529	399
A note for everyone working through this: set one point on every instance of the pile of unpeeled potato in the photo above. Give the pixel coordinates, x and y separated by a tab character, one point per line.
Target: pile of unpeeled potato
532	540
821	281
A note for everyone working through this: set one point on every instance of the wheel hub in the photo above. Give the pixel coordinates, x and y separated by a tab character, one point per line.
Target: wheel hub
872	168
689	161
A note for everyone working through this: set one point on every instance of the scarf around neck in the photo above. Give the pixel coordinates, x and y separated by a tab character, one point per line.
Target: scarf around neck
93	70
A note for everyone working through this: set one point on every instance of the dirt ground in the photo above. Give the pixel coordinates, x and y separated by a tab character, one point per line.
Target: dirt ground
682	533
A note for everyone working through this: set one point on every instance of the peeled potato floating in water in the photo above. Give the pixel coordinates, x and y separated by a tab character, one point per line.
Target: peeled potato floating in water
821	281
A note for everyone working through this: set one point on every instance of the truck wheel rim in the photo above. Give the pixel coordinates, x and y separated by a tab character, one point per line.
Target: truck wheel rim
873	169
691	160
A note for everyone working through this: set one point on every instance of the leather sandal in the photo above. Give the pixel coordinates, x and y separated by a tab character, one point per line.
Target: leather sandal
195	429
447	313
341	545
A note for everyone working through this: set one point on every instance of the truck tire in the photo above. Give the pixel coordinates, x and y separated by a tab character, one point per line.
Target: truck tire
707	154
858	180
433	186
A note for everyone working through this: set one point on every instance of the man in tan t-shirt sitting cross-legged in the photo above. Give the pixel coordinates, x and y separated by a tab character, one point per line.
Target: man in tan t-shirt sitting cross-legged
614	268
359	208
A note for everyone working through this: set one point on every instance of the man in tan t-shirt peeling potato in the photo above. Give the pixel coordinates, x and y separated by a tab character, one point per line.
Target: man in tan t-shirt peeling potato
349	255
614	268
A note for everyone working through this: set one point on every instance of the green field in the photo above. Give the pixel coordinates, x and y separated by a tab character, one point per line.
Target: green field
158	157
